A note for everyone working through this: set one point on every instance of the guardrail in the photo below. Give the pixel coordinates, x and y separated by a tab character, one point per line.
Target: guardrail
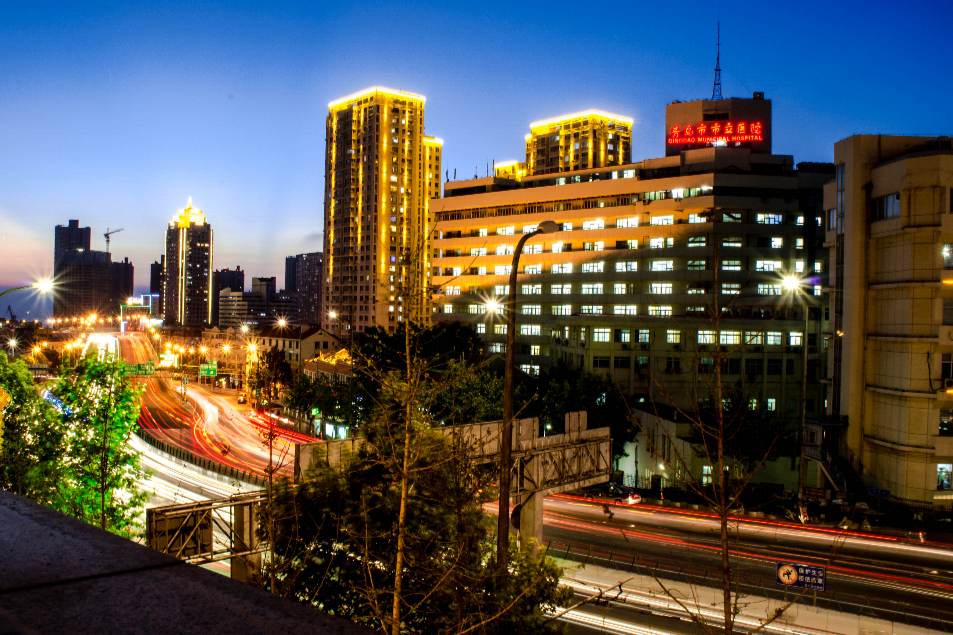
202	462
928	615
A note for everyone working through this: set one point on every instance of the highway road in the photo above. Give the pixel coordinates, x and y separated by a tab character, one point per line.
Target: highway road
209	424
881	575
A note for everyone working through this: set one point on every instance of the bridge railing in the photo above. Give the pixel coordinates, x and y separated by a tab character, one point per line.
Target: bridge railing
199	461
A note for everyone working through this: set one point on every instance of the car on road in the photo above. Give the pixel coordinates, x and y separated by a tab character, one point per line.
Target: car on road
614	492
241	398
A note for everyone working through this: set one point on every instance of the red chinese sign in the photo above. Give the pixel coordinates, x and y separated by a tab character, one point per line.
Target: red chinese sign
717	131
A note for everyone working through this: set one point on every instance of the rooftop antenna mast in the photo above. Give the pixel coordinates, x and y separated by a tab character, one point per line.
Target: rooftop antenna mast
108	234
716	89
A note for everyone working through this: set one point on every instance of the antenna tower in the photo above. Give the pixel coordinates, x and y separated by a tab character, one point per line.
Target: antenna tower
716	89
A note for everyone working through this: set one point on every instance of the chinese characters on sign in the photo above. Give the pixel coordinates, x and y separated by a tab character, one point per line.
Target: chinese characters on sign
716	132
801	576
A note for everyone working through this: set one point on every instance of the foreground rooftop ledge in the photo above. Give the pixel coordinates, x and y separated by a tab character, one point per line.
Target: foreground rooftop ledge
60	575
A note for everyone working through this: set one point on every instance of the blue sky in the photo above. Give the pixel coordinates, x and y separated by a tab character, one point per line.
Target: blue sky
116	113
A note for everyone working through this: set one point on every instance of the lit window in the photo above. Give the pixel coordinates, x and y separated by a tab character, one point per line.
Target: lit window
560	289
731	241
535	248
707	337
600	335
799	243
529	229
481	328
534	350
566	227
696	265
769	289
772	404
631	265
754	338
625	309
673	336
773	338
773	265
661	287
504	250
497	347
645	334
451	290
818	289
794	338
499	329
501	289
448	308
731	288
478	251
504	231
818	267
727	338
777	243
660	311
731	265
533	269
593	267
477	309
592	309
591	289
501	270
662	265
696	241
662	220
593	246
627	222
771	219
562	309
593	224
565	267
695	218
529	329
531	309
619	288
529	369
532	289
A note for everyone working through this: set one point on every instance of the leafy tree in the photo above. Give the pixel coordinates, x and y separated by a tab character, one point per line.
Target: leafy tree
31	439
100	410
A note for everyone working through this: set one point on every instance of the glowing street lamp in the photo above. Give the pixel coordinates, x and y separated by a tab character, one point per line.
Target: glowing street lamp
43	286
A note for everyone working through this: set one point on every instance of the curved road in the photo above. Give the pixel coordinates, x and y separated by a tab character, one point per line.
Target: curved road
210	424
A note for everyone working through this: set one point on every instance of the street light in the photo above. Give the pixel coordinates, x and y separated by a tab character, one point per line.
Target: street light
793	285
43	286
506	434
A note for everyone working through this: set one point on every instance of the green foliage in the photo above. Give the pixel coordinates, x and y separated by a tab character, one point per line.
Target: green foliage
336	543
468	394
32	457
101	408
559	390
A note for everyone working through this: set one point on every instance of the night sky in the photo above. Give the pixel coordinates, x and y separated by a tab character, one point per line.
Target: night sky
115	114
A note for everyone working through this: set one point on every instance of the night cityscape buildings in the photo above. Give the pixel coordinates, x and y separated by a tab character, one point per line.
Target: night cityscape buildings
86	281
231	279
187	300
304	277
380	173
157	284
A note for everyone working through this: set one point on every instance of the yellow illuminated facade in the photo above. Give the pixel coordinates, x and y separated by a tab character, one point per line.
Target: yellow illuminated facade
510	170
188	269
580	141
381	172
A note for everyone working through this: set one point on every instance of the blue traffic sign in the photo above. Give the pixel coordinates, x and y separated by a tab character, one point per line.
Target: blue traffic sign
873	492
801	576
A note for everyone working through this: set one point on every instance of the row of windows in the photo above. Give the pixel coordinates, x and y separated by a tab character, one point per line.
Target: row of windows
628	288
633	266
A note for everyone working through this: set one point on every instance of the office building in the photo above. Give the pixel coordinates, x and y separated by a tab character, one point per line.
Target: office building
157	285
236	308
306	275
121	284
233	279
82	284
188	269
581	141
890	225
291	273
70	237
380	173
644	252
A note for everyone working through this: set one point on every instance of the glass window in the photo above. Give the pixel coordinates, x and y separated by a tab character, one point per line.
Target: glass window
774	338
619	288
696	265
622	362
562	309
560	289
532	289
769	289
662	265
696	241
772	404
481	328
531	309
770	265
593	224
625	309
592	288
593	267
731	265
499	329
730	338
731	288
623	335
754	338
661	287
565	267
592	309
777	243
673	336
627	222
660	311
529	329
770	219
532	269
707	337
600	335
795	338
501	289
477	309
696	218
662	220
502	270
731	241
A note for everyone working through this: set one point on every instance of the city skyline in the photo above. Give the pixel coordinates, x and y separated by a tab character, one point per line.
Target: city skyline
104	123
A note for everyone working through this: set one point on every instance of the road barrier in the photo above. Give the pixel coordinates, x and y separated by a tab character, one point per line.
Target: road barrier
931	615
202	462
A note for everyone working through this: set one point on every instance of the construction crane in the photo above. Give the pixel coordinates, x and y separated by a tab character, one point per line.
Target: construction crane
13	318
110	233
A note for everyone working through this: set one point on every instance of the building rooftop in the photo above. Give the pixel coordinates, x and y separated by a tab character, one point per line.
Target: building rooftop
61	575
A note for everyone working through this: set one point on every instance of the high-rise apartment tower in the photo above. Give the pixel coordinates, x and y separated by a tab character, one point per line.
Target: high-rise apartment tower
380	174
581	141
188	269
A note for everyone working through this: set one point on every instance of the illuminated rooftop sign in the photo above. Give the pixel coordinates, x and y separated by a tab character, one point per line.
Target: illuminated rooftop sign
717	133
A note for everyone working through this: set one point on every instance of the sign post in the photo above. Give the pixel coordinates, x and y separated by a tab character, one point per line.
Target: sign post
801	576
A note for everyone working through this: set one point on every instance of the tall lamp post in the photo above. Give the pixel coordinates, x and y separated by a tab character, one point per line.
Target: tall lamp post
43	286
793	284
506	434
